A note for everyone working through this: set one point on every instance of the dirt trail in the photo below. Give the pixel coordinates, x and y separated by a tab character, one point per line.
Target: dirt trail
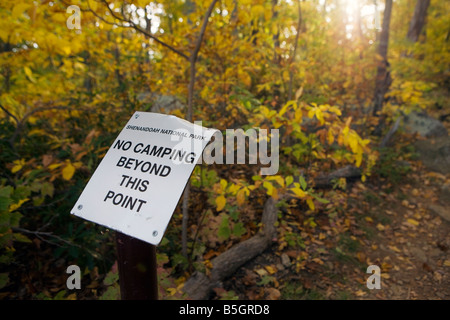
404	228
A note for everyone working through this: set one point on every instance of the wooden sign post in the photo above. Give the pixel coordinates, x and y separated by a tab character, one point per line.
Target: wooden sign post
136	188
137	268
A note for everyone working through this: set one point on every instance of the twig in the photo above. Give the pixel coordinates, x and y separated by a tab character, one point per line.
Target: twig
198	43
135	27
41	235
9	114
21	122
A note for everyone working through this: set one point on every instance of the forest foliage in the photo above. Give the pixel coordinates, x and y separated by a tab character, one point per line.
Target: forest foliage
306	68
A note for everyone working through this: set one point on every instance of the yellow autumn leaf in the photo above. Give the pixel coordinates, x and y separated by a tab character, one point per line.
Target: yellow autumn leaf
68	171
54	166
298	192
394	248
233	188
330	136
358	159
240	196
275	193
223	183
310	203
78	164
257	10
19	9
269	187
271	269
17	205
29	74
298	116
72	296
18	165
360	293
171	291
277	124
220	203
353	142
284	109
278	179
319	116
335	110
413	222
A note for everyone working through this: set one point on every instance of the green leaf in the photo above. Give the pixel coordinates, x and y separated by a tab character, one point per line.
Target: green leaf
21	238
15	218
224	231
321	200
47	189
239	229
5	197
20	193
289	180
265	280
302	182
6	191
4	203
256	178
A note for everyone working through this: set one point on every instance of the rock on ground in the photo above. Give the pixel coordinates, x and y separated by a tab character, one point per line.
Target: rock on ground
160	103
435	154
424	125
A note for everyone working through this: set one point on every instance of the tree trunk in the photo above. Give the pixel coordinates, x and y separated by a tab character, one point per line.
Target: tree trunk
418	20
189	114
294	51
383	79
276	36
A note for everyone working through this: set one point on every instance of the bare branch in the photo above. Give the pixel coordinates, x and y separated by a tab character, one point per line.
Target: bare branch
144	32
135	27
41	235
21	122
9	114
193	59
112	12
198	43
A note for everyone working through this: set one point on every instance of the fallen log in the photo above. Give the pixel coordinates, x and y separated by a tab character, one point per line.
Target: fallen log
326	181
199	285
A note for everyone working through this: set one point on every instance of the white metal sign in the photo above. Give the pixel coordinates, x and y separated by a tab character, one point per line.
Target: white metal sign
139	182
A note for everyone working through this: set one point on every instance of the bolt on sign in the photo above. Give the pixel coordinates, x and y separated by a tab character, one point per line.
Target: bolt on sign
139	182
